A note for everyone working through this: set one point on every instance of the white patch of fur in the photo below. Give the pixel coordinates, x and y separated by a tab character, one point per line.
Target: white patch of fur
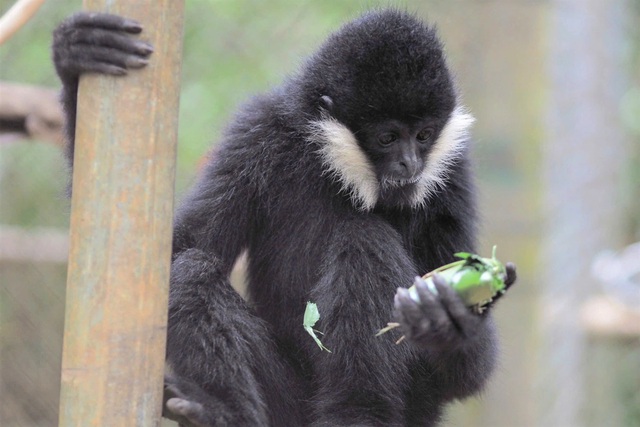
445	152
344	159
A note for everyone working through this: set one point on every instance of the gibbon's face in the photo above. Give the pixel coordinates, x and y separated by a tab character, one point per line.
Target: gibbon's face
392	163
398	153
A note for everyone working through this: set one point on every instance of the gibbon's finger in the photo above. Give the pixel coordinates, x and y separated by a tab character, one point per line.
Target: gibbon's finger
431	306
105	60
107	38
424	292
445	292
403	301
106	21
459	313
407	310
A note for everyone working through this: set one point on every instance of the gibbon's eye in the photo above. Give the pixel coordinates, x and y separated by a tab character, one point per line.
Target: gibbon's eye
326	102
387	138
424	135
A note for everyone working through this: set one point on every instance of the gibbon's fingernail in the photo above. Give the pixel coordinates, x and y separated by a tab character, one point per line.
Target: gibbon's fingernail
135	62
147	48
132	26
116	71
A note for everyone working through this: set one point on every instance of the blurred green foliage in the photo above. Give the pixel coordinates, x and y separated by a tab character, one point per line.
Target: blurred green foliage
36	199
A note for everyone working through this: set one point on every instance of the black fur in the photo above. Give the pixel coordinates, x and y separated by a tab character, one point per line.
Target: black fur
267	190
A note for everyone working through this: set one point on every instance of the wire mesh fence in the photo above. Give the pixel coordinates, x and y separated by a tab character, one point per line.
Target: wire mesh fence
33	251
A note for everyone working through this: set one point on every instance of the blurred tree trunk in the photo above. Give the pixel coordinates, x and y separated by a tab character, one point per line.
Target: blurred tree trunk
582	160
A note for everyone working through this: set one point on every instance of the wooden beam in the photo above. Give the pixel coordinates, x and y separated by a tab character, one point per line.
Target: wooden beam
604	317
40	245
28	111
121	222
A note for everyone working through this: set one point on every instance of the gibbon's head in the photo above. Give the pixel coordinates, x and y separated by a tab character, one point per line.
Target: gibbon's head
390	125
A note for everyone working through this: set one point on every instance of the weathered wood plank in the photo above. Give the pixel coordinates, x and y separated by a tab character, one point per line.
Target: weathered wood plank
121	220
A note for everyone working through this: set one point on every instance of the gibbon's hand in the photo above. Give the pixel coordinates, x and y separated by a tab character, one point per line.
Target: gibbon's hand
438	323
90	42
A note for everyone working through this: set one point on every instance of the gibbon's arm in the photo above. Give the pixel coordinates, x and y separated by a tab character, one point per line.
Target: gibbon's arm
217	216
222	356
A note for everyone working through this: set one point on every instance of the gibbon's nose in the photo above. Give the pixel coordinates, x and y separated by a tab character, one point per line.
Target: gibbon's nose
406	168
407	162
400	171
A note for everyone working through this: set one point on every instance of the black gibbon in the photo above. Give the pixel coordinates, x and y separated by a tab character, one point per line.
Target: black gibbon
343	183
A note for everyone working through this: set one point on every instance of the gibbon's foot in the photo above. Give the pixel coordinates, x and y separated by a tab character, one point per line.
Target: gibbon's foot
190	405
184	402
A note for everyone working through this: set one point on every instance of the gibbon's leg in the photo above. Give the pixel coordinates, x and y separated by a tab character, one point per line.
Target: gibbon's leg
225	369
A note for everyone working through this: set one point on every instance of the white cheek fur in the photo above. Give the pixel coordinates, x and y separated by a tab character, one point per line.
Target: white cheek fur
343	158
446	150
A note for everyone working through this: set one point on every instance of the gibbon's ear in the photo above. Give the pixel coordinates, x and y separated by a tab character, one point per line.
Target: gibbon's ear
326	103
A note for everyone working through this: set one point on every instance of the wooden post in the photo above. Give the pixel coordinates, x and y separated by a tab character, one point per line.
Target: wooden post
121	222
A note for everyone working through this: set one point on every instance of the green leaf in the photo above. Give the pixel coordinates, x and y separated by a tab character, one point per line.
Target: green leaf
311	317
463	255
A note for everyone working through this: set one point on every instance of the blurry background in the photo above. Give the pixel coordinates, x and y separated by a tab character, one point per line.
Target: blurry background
555	88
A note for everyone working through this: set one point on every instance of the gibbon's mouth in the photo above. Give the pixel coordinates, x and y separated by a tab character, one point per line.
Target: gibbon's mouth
387	182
